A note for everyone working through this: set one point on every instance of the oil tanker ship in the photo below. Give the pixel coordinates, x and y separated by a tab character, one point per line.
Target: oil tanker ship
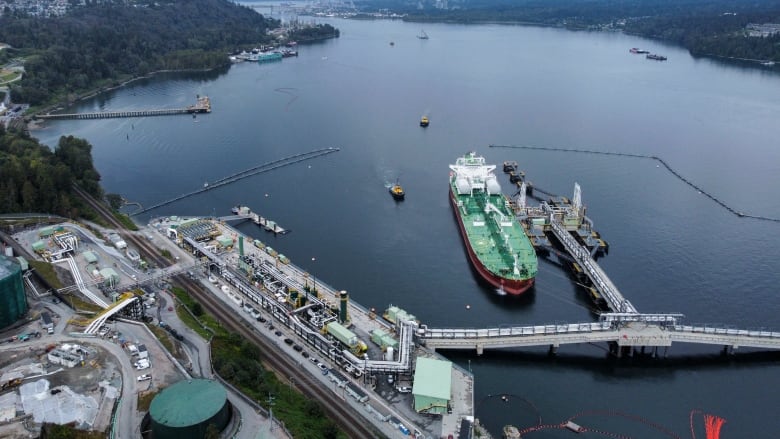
496	242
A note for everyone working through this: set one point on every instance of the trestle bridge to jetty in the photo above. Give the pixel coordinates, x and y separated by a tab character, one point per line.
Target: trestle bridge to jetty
624	328
202	106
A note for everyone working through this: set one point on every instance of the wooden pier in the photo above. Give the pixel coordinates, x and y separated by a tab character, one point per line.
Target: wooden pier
202	106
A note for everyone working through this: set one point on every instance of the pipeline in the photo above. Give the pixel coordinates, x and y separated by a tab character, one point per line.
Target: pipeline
652	157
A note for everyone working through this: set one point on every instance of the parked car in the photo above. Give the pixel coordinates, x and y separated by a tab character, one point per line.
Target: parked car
403	389
144	377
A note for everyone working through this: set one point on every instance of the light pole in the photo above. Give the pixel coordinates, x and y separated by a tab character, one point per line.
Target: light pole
313	277
271	409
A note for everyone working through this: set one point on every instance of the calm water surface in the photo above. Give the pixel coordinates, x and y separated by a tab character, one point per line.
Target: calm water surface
672	249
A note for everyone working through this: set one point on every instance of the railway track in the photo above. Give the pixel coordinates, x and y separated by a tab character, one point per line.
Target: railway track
336	409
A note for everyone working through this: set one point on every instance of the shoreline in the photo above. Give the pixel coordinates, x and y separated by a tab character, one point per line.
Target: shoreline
33	123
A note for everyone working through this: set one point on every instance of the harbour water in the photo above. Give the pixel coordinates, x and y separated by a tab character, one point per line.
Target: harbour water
671	248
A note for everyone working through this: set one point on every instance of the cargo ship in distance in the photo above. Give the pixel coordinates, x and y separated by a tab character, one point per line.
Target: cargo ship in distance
496	242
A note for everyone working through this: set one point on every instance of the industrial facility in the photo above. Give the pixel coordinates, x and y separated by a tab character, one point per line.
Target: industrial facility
13	303
432	386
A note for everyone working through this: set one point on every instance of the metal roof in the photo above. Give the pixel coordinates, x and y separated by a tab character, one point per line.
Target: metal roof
188	403
90	257
433	378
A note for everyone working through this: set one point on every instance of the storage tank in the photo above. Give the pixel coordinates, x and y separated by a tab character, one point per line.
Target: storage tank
185	409
13	303
389	354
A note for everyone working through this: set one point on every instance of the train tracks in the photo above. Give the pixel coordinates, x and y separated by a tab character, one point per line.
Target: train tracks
335	408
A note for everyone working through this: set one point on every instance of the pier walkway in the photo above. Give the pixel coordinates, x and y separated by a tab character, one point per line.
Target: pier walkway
608	290
202	106
648	330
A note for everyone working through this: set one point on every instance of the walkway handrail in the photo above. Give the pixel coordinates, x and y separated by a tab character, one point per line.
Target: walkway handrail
614	298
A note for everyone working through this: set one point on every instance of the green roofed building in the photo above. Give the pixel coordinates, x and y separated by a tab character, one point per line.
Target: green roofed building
225	241
110	276
185	409
45	232
90	257
432	386
39	246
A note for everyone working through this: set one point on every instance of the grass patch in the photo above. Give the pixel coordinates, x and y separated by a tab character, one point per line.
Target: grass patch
46	271
8	75
205	325
238	361
126	221
79	305
145	399
68	432
162	336
166	254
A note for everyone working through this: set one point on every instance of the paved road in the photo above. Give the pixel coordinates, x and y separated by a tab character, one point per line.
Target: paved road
253	424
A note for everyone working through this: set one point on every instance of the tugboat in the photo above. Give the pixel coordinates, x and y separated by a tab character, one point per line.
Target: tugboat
397	191
424	121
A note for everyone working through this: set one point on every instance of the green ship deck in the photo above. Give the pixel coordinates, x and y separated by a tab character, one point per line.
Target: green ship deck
496	237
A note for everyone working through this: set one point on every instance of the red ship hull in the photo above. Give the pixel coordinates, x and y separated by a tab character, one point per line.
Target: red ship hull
513	287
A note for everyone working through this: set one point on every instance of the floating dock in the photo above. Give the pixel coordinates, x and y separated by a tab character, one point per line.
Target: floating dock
265	223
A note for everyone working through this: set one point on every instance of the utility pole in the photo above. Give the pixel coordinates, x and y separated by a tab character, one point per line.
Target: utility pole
271	409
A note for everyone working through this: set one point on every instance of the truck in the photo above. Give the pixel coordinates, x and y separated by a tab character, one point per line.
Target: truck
47	323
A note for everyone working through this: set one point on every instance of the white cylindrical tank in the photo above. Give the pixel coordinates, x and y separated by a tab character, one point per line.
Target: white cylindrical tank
389	354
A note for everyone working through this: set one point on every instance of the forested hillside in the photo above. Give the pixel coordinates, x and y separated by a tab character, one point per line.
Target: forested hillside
101	44
35	179
704	27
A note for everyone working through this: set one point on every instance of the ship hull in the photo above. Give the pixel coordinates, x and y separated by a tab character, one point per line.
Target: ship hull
514	287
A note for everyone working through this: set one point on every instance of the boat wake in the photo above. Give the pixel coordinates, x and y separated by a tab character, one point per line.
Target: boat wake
289	91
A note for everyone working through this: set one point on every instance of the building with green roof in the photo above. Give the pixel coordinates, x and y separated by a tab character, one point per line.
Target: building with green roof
110	277
432	387
90	257
187	408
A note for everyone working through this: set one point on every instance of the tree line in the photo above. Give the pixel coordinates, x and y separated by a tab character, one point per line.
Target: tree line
704	27
102	44
33	178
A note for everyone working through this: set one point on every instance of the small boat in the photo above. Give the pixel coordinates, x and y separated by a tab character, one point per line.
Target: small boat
397	191
423	35
636	50
655	57
424	121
